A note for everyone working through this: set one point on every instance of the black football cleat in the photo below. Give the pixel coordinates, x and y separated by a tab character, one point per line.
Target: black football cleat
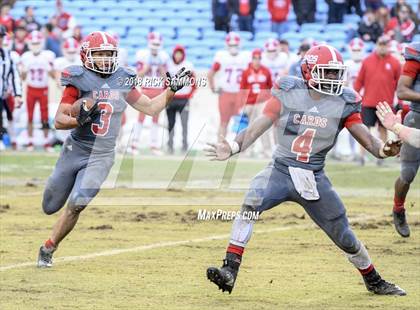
223	277
375	284
401	224
45	257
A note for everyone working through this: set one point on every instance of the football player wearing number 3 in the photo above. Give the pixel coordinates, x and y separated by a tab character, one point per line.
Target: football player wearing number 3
311	112
88	153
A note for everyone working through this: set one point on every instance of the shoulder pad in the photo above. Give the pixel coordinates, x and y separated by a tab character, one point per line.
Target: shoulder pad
70	73
129	71
287	83
412	51
351	96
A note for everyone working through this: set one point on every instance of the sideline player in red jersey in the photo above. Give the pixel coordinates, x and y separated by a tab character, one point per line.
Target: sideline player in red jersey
311	112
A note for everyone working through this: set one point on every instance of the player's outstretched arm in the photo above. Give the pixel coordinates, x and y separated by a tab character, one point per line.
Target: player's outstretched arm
392	122
224	149
157	104
372	144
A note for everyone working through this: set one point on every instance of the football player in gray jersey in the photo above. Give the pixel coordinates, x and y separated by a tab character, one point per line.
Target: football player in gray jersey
88	153
311	112
408	89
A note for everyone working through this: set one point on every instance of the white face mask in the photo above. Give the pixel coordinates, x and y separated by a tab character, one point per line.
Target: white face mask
233	49
356	55
70	56
271	55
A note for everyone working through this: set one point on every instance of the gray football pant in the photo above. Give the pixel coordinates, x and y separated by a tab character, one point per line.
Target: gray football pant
273	185
77	176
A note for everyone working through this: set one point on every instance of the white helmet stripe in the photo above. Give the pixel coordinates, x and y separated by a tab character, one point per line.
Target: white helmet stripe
333	54
104	38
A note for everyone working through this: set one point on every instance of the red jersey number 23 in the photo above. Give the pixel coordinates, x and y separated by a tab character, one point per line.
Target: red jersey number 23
102	128
302	145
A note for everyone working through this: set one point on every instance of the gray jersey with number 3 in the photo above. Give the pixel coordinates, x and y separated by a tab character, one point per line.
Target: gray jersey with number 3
308	128
110	92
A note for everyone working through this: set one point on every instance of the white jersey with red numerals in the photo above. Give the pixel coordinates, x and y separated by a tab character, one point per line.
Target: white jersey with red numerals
278	66
229	69
62	62
155	63
352	71
37	67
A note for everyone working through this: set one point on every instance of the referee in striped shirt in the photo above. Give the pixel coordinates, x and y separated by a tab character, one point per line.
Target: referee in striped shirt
8	74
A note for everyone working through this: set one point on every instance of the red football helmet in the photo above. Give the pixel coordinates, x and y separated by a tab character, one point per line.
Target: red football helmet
232	42
70	48
323	70
99	41
271	45
356	47
35	41
154	40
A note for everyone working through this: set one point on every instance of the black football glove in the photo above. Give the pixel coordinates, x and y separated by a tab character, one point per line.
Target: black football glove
179	80
86	116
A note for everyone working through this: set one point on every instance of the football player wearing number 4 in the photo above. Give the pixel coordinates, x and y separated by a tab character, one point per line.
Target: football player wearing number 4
311	112
88	153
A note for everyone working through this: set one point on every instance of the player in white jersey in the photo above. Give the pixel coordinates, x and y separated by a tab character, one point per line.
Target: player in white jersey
357	54
151	67
10	108
225	78
37	66
274	59
71	57
71	50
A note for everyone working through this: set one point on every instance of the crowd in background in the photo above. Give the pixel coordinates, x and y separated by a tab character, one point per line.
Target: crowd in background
379	24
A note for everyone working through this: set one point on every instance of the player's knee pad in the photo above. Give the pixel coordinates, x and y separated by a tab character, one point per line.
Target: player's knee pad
49	204
45	125
78	202
348	241
408	171
242	226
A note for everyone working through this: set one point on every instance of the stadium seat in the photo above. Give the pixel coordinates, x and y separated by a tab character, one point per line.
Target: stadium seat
351	19
416	38
168	33
265	35
335	36
245	35
312	27
188	33
214	35
335	28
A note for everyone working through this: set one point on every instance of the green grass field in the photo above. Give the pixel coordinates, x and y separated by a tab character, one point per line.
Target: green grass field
140	245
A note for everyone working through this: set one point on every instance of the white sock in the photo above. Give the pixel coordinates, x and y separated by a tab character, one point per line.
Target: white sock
241	231
11	131
361	259
136	133
154	133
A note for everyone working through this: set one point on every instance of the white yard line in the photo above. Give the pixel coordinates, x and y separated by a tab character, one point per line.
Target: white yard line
173	244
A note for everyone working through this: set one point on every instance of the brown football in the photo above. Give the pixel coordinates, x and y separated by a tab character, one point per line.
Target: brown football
75	108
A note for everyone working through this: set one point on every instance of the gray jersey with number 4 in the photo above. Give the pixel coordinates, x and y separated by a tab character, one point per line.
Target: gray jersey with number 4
110	92
308	128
